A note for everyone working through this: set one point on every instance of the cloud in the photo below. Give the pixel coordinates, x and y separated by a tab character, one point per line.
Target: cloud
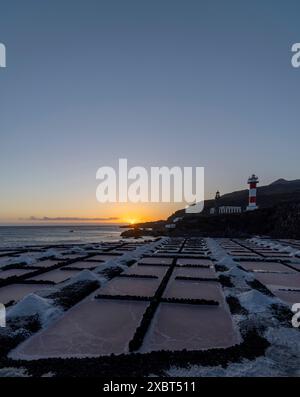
67	219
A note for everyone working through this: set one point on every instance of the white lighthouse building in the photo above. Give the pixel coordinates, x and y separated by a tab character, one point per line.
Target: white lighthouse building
252	181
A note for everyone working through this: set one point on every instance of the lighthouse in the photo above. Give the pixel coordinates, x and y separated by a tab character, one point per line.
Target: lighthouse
252	181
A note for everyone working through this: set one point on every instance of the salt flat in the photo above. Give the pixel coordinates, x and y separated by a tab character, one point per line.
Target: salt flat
194	272
194	290
158	271
276	255
156	261
130	286
83	265
46	263
287	296
245	254
283	280
4	274
266	266
191	261
103	258
15	292
92	328
56	276
72	256
178	327
295	265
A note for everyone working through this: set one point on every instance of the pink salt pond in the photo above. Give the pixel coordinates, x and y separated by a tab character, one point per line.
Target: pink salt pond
291	280
191	327
3	253
103	258
158	271
15	292
57	276
242	254
93	328
194	272
46	263
182	289
156	261
266	250
295	265
289	297
198	250
191	261
266	267
72	256
4	274
130	286
82	265
167	251
241	251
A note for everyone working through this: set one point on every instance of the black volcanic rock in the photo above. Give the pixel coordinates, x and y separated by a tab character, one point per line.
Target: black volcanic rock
278	215
279	181
280	221
278	192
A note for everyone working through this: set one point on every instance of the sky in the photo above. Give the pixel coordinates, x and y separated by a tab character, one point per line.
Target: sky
162	83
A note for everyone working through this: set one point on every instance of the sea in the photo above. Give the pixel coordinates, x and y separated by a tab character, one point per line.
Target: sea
33	235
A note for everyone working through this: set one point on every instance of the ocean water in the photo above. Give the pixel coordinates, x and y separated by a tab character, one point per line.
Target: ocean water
22	236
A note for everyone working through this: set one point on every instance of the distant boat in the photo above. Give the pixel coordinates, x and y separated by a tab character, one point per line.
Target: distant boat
71	231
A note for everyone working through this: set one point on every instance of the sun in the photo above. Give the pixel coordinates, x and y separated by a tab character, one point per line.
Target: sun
131	221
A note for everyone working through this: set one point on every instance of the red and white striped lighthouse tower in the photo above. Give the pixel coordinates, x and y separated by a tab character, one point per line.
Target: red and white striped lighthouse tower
253	181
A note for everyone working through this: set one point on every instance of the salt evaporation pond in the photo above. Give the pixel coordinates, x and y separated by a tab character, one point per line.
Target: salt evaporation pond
180	289
4	274
57	276
266	266
278	279
156	261
290	297
276	253
92	328
295	265
46	263
131	286
15	292
191	261
103	258
83	265
158	271
194	272
190	327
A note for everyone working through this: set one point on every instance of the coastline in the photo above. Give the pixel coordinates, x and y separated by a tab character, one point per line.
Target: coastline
12	236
